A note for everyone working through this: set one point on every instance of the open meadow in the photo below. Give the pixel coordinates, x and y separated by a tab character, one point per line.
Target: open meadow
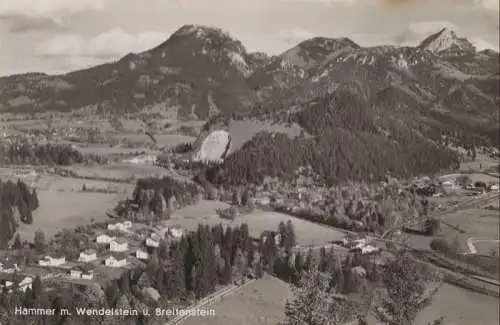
459	307
307	233
261	302
61	209
477	223
65	204
121	171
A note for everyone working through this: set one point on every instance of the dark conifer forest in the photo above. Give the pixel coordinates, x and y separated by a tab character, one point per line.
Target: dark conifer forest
17	203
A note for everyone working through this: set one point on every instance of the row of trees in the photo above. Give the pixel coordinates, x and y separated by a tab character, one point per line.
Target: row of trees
44	154
161	196
17	203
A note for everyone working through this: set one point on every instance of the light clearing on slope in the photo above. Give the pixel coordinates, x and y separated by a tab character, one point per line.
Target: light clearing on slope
213	147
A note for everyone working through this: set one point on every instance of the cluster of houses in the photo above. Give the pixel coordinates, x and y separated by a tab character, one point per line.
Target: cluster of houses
118	249
7	282
117	256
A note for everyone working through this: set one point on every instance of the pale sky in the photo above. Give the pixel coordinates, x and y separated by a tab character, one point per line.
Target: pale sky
56	36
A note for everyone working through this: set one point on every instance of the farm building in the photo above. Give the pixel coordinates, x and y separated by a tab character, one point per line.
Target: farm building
85	272
104	239
116	260
88	255
56	260
141	254
119	245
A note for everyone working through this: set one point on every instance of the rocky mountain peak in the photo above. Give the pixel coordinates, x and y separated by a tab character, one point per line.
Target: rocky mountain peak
446	40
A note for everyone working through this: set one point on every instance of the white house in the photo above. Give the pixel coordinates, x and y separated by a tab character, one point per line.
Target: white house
25	283
85	272
118	245
116	260
104	239
152	242
89	275
88	255
75	273
52	261
141	254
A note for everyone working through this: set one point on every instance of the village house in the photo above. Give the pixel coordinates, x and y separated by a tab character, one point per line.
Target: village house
118	245
88	255
55	260
116	259
153	240
8	267
85	271
141	254
25	284
121	226
104	239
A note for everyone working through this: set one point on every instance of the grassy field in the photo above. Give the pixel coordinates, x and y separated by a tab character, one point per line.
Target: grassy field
59	210
120	170
461	307
477	223
204	212
259	303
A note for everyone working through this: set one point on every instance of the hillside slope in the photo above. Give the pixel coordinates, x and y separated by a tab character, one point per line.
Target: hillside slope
359	111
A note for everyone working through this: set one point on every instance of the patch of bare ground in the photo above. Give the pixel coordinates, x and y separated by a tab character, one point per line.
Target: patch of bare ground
259	303
307	233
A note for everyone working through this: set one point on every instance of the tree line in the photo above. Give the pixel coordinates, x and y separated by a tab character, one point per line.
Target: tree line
19	153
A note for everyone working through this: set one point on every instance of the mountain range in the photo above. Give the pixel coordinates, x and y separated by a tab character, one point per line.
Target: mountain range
443	83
